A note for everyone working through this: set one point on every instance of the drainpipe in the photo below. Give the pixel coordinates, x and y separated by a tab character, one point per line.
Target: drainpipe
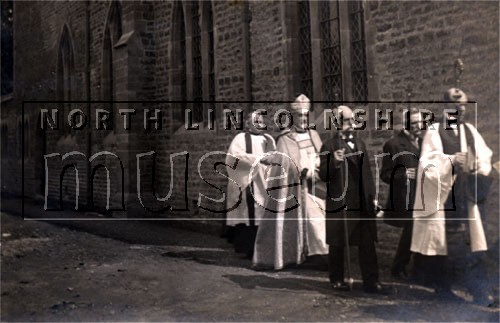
248	55
88	96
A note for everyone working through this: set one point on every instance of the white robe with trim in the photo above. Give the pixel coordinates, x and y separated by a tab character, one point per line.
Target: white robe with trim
294	225
432	190
261	144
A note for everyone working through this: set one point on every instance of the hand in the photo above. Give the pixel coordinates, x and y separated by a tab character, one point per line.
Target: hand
411	173
459	159
474	167
304	173
270	159
339	155
266	161
307	173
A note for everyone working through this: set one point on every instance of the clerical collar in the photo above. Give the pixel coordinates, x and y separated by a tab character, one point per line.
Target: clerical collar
408	134
255	132
413	138
299	129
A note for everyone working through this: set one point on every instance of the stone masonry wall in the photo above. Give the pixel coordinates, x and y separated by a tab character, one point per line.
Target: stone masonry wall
415	43
408	44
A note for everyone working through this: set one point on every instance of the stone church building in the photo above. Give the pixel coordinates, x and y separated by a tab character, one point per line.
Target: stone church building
165	56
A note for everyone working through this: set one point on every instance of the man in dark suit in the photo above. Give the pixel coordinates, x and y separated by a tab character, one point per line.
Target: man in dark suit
399	167
350	209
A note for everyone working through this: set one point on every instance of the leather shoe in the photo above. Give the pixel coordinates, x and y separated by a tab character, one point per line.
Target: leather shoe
447	294
377	288
340	285
399	274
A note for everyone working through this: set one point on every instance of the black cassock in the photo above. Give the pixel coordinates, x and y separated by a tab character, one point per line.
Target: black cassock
402	154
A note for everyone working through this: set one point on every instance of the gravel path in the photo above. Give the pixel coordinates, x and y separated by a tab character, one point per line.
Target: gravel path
54	273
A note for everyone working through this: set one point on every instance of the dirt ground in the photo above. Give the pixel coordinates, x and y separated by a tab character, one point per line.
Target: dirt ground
55	273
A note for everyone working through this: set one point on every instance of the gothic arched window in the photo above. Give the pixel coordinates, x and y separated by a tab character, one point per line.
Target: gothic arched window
179	72
305	59
196	62
208	28
358	54
208	54
112	34
330	50
192	38
331	54
65	74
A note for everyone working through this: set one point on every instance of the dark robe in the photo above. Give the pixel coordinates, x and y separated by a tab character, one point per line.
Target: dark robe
456	204
402	154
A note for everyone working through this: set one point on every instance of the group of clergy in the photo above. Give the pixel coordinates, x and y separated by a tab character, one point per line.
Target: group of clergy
301	197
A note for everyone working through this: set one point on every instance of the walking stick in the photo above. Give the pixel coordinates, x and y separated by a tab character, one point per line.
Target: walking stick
476	230
350	280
